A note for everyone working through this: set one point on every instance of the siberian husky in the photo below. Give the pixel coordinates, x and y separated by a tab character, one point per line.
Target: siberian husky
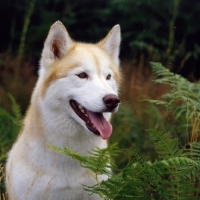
71	106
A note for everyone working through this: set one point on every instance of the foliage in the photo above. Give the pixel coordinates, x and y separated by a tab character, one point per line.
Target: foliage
9	128
10	124
182	99
129	129
97	161
173	176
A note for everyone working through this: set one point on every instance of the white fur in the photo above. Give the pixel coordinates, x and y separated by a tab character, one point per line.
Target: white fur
33	170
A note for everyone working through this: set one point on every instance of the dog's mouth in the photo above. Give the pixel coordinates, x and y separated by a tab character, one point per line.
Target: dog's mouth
94	121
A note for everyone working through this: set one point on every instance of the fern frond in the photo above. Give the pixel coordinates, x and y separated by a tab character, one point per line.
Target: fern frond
194	151
183	98
16	111
9	128
165	147
136	154
166	179
170	177
181	89
175	175
99	161
163	75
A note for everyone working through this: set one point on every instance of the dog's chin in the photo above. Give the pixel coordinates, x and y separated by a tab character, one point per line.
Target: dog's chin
94	121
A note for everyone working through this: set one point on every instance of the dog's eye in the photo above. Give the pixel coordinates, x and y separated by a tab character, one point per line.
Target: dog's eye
108	77
82	75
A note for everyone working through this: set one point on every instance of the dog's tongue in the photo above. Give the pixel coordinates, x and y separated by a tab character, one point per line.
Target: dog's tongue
101	124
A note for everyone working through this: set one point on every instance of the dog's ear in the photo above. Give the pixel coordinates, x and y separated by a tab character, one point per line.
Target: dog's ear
57	44
111	43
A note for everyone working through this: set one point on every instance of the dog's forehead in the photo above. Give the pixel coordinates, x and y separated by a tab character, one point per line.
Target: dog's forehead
83	57
94	58
89	56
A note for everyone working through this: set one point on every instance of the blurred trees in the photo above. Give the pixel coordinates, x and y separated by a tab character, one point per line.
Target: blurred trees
167	31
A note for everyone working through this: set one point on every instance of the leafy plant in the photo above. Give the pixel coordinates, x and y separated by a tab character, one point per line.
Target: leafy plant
175	175
182	99
97	162
9	127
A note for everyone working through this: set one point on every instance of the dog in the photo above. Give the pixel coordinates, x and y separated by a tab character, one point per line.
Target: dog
71	105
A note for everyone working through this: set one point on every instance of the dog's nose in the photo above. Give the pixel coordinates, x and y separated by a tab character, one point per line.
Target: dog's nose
111	101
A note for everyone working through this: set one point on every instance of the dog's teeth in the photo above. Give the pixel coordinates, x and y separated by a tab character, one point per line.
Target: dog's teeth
86	114
82	110
80	106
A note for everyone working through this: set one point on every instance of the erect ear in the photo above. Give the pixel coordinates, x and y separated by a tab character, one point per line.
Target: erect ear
57	44
111	43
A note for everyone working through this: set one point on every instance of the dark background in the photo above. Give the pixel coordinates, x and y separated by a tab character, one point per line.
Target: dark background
171	28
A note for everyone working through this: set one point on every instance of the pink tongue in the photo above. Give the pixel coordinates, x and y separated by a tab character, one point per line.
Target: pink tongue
101	124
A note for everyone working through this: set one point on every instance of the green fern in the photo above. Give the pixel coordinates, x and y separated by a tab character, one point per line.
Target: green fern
9	128
97	161
10	123
165	147
182	99
181	89
16	111
173	176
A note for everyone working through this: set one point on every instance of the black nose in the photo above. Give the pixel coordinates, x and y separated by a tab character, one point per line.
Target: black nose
111	101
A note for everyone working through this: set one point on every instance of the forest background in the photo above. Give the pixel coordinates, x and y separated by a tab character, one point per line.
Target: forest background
152	30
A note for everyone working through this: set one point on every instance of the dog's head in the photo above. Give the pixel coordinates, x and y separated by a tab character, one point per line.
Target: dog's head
81	80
